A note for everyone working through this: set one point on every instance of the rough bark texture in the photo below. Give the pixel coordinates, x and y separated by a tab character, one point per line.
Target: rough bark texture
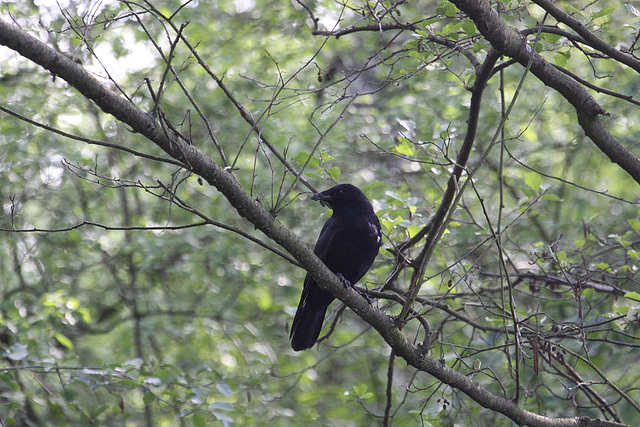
510	43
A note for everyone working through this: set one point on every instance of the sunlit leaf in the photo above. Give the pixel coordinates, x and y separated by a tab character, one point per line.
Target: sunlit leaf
633	296
533	180
603	12
65	341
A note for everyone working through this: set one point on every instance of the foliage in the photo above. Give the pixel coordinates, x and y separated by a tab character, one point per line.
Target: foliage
133	293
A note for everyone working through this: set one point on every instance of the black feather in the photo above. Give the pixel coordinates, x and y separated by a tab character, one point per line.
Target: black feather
348	244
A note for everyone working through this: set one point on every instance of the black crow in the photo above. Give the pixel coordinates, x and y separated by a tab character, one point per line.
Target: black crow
348	244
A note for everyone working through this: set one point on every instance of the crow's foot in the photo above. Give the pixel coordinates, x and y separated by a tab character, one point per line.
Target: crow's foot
362	293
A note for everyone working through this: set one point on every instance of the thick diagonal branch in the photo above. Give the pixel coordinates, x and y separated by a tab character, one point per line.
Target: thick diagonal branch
510	43
588	36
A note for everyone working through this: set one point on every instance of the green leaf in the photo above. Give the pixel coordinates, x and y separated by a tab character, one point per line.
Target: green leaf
224	388
360	389
225	406
404	147
551	38
165	375
85	313
334	172
623	309
429	22
148	398
198	420
533	180
413	230
65	341
451	27
603	12
302	158
451	10
633	296
551	198
561	58
388	224
226	419
635	224
469	28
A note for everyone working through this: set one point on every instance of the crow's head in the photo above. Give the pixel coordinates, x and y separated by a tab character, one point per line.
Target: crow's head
345	196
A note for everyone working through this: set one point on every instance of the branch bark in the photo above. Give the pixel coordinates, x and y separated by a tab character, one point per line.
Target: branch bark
588	36
225	182
510	43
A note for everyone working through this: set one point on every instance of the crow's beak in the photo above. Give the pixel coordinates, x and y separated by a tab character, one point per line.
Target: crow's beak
322	198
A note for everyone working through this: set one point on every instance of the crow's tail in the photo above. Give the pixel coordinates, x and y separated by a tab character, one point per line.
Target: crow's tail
306	326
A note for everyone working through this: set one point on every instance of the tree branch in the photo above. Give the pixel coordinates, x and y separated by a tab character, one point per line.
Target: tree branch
510	43
588	36
88	140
